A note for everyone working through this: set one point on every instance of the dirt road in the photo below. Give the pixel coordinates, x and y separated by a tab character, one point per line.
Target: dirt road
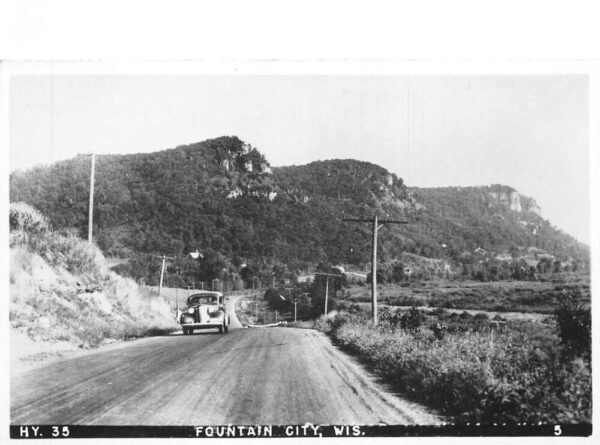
249	376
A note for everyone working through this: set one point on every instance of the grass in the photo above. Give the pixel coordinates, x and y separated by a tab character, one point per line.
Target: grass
505	296
477	370
62	290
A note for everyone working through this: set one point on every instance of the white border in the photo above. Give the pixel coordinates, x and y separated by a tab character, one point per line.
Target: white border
319	67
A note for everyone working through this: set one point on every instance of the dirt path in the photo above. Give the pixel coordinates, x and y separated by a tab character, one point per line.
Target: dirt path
249	376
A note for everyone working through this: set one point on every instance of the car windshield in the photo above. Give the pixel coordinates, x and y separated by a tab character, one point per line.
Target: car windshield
203	299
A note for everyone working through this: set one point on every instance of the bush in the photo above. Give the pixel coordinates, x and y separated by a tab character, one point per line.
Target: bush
574	326
439	330
412	319
471	376
23	217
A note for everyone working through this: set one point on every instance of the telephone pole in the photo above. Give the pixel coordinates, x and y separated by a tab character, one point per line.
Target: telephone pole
162	270
377	224
295	301
91	213
92	180
327	285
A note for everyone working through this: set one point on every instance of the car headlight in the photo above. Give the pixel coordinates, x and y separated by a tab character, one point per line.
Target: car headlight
190	310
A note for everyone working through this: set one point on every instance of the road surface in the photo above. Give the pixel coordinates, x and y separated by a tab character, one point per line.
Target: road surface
245	377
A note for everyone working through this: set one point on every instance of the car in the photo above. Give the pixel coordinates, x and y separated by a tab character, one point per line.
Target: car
205	310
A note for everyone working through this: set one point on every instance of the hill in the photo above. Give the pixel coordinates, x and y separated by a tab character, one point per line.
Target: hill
255	223
63	296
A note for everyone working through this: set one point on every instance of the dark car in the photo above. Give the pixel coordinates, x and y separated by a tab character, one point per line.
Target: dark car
205	310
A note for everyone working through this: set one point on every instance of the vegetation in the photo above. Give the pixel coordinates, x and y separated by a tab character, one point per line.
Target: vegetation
256	226
506	296
470	367
62	290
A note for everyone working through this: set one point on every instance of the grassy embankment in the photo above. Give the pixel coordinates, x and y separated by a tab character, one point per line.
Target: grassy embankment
472	368
61	290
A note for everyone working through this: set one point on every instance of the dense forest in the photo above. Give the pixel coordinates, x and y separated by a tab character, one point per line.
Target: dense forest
252	224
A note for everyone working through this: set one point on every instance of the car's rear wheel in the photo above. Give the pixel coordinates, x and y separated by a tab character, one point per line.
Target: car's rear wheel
221	329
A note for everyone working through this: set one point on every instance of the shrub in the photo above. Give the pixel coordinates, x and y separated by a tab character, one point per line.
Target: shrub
439	330
412	319
23	217
574	326
388	319
472	376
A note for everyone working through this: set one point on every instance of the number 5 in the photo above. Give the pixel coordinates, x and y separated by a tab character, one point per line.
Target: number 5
557	430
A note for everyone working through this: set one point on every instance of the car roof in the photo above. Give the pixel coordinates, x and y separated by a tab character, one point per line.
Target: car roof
206	294
200	295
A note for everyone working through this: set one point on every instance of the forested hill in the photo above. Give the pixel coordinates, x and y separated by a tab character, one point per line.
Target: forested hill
494	218
222	198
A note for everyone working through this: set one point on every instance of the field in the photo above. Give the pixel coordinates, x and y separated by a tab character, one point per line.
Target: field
516	351
503	296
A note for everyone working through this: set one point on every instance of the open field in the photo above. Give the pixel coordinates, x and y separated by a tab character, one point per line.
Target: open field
501	296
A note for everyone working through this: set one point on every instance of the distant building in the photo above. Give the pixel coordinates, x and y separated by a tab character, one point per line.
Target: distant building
305	278
547	256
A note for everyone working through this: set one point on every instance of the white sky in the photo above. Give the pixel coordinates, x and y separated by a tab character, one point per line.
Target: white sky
529	132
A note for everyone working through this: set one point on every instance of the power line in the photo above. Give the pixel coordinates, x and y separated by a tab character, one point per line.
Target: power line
377	224
162	270
92	180
327	285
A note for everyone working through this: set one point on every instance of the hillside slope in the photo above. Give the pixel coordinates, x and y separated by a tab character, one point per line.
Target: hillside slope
254	223
63	294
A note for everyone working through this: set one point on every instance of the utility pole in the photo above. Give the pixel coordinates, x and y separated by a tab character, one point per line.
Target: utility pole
376	226
92	180
162	270
91	214
327	285
295	301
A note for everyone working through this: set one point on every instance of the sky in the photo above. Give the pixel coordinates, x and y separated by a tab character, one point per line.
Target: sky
527	131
